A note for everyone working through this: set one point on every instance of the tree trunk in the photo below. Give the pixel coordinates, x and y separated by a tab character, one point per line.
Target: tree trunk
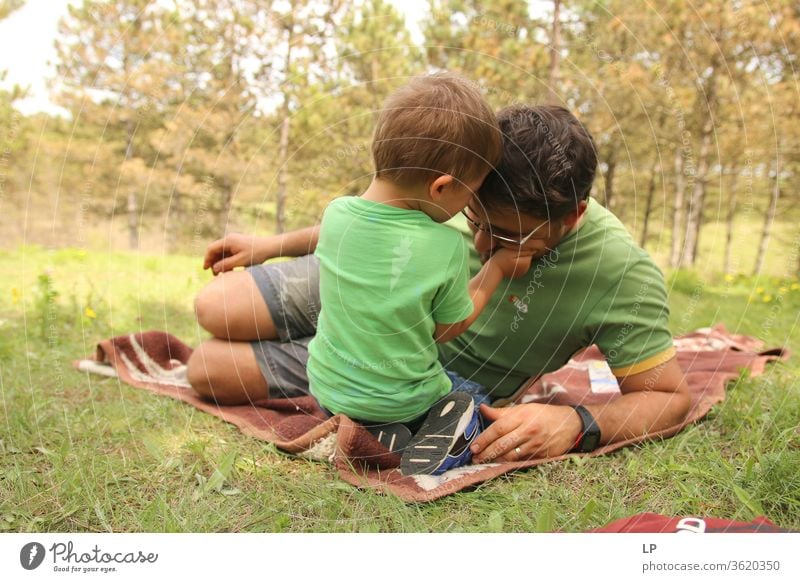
375	74
655	171
283	146
656	176
611	166
708	97
133	231
555	55
694	217
132	206
227	186
280	201
769	218
174	218
729	219
130	130
226	192
677	212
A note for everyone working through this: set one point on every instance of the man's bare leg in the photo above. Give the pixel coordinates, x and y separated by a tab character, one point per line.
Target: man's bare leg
231	307
226	372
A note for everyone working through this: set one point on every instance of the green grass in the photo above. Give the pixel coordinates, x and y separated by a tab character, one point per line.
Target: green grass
82	453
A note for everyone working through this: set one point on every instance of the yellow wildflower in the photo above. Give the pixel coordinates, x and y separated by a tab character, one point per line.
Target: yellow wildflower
15	295
89	312
767	298
729	278
759	289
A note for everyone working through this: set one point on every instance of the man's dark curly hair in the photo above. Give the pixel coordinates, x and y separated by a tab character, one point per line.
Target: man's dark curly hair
548	166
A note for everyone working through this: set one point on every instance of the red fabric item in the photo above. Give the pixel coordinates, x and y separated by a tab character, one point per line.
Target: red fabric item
655	523
155	361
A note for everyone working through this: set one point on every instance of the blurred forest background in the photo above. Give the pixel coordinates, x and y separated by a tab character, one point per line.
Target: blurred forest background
186	119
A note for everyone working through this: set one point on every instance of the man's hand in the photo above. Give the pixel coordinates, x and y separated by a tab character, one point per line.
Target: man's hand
239	250
651	401
538	430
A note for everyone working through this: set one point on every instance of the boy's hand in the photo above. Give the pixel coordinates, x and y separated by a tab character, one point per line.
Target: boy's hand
513	263
238	250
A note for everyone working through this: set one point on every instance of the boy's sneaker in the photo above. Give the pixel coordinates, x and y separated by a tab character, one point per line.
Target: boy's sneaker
394	435
443	440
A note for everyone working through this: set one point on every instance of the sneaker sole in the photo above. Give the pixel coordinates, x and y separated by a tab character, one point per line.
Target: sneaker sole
445	423
393	436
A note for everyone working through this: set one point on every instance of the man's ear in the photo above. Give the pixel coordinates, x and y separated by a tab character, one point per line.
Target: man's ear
439	185
573	217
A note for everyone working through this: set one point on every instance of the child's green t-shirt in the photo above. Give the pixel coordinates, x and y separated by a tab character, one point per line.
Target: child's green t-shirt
387	275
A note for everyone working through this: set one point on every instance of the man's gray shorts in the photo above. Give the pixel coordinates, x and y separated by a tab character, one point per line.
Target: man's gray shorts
291	291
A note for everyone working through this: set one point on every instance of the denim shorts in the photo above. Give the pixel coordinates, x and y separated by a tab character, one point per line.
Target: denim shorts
291	292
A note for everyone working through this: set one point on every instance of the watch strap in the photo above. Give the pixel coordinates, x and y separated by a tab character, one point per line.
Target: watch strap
589	437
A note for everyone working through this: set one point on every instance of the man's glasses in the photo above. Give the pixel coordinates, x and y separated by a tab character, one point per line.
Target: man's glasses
501	239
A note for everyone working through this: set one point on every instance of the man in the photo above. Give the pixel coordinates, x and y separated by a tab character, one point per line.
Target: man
588	284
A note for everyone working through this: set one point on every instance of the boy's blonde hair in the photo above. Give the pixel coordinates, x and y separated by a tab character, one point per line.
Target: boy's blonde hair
437	124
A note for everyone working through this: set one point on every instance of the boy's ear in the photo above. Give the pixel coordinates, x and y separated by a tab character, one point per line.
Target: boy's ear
439	185
572	218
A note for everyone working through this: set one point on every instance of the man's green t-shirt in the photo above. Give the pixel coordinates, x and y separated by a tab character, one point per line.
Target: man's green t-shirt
387	276
596	287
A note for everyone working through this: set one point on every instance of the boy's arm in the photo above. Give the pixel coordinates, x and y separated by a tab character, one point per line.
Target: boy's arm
503	263
240	250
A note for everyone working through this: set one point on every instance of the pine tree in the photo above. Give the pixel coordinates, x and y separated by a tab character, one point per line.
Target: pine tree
111	61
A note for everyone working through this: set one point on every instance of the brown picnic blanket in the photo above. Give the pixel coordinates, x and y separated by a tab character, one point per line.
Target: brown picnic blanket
155	361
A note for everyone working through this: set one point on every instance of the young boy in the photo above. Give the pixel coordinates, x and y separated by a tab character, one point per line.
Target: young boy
393	280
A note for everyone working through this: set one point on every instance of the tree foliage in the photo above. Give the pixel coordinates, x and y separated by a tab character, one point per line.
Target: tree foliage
189	118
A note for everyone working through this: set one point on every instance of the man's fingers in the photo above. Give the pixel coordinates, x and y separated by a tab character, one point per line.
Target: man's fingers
514	429
211	260
495	430
213	253
230	263
514	454
530	449
519	447
498	450
493	441
492	414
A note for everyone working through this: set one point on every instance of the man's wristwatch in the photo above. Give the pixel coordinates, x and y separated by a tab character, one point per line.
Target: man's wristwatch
589	437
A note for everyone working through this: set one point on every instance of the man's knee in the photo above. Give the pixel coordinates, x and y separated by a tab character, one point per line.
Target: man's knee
204	374
209	308
231	308
226	373
198	371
